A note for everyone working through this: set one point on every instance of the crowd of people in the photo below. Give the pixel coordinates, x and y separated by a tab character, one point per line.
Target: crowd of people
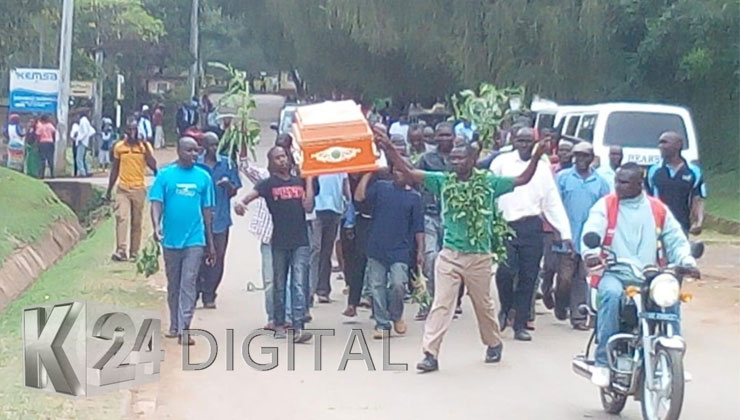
428	215
408	220
31	146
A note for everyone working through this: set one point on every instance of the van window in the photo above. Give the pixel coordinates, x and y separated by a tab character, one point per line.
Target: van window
586	129
640	129
545	121
570	129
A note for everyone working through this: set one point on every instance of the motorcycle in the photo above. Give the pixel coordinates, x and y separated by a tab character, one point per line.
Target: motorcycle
645	358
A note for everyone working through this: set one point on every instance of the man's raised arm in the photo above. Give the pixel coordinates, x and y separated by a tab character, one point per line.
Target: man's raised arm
381	139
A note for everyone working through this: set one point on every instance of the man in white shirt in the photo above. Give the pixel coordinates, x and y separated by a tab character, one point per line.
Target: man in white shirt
523	209
82	137
400	127
145	125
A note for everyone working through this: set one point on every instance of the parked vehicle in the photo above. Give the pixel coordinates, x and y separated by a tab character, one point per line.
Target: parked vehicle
646	358
285	121
634	126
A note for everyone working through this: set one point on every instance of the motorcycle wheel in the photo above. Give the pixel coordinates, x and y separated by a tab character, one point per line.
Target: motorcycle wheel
612	402
665	402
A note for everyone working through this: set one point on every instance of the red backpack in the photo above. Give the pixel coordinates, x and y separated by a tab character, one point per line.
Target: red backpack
612	211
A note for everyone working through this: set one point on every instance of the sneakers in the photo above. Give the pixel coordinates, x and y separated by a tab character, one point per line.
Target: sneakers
191	342
493	354
378	334
600	376
429	364
400	326
301	337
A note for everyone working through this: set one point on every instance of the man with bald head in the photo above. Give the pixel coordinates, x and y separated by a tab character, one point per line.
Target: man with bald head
678	183
523	209
181	210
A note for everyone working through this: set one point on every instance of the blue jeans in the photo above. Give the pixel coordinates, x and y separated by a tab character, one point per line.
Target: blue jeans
293	261
266	252
80	152
432	245
387	284
611	295
182	267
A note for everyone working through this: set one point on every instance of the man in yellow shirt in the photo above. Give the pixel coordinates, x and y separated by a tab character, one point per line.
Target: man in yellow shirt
130	158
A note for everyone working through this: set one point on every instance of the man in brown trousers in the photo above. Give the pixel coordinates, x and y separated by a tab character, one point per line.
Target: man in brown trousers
466	254
130	158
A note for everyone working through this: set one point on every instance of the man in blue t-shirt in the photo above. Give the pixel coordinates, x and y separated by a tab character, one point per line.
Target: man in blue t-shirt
397	221
181	204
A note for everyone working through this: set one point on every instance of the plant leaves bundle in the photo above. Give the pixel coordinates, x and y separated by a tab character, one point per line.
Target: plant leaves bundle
243	134
148	261
487	109
421	294
471	200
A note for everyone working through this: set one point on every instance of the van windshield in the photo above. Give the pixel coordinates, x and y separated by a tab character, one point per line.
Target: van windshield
640	129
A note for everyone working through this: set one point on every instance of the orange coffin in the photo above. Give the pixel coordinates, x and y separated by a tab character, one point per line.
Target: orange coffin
334	137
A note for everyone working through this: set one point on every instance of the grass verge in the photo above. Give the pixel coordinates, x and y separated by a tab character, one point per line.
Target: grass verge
724	195
85	273
29	208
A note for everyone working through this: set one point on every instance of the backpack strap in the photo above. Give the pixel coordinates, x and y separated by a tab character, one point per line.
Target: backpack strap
659	214
612	210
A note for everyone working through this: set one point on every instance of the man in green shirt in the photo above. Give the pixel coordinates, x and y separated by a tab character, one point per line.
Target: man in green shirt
468	200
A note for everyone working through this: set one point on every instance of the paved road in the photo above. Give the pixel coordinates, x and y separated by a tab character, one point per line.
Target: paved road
533	381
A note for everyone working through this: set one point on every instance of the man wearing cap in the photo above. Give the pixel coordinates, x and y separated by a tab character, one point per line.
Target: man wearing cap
580	188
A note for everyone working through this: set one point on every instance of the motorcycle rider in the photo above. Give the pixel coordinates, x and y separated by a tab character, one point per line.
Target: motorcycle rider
636	239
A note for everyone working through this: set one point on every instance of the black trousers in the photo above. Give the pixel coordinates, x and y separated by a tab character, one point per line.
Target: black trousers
210	276
327	235
46	149
524	252
355	258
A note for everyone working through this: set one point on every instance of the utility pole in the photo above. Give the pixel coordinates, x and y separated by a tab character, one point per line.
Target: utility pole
193	75
97	115
65	67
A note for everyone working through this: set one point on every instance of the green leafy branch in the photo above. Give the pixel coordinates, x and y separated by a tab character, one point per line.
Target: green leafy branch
487	108
243	134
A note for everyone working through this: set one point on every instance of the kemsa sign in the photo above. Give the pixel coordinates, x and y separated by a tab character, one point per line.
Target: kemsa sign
34	90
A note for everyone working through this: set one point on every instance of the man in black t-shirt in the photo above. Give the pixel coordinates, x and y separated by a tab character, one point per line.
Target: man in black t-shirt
288	198
678	183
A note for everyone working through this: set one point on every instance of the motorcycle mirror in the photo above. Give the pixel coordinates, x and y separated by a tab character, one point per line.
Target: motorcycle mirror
592	240
274	126
697	249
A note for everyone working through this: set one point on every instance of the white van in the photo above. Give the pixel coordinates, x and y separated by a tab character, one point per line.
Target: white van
636	127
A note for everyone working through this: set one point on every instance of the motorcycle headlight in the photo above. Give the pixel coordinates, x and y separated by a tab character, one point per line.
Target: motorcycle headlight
665	290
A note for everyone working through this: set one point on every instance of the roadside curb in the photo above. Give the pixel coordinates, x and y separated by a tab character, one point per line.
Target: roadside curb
722	225
27	263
